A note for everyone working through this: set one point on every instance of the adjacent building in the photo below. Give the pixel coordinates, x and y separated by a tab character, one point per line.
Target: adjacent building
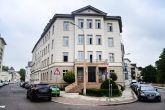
2	47
28	72
127	72
85	41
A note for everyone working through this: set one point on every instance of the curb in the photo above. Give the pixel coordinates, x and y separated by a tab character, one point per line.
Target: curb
108	104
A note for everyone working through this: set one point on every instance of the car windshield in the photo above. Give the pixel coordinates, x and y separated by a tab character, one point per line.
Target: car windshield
147	88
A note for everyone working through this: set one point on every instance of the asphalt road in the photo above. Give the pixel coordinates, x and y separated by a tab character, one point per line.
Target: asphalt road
13	97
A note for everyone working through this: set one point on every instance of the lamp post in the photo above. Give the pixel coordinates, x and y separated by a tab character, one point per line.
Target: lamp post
84	62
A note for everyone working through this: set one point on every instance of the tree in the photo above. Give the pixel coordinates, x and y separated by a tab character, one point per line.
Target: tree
113	76
160	65
22	74
69	77
5	68
149	74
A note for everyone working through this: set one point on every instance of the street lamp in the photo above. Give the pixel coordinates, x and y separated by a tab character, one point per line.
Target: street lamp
84	62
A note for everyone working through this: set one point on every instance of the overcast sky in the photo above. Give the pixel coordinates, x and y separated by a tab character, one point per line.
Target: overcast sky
23	21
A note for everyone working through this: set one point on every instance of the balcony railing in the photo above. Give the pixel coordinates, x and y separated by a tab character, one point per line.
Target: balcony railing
95	61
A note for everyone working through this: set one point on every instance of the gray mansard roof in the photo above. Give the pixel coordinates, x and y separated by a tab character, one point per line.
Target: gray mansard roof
78	12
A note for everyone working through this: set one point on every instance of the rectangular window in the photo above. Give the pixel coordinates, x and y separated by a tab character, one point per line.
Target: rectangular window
98	24
110	42
52	44
48	61
65	56
50	75
80	55
112	71
89	39
90	56
65	41
80	23
98	39
80	40
53	30
89	23
99	55
51	58
109	27
48	47
111	57
66	25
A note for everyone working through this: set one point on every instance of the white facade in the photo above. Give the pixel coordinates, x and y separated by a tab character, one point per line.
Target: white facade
28	72
61	46
127	71
5	76
2	47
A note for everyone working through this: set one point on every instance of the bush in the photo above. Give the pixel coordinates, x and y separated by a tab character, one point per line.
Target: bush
102	92
113	76
105	84
69	77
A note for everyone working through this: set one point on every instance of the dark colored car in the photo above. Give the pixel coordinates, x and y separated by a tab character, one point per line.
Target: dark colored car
39	91
147	92
23	85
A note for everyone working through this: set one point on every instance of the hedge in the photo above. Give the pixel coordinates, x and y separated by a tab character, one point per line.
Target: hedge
102	92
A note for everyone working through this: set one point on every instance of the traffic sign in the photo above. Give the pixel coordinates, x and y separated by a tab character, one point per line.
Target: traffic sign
57	72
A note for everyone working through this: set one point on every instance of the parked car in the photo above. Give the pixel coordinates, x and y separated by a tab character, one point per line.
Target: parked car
1	83
23	85
55	90
27	86
148	92
39	91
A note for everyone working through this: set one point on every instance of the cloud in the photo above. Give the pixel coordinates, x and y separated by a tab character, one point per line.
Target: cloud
23	21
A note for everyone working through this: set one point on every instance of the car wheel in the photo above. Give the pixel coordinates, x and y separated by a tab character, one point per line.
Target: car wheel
50	99
159	99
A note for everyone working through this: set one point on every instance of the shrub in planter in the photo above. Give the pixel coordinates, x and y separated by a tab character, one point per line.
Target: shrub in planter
102	92
105	84
69	77
113	76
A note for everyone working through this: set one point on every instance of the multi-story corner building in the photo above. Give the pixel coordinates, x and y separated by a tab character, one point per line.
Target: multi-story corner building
28	72
85	39
2	47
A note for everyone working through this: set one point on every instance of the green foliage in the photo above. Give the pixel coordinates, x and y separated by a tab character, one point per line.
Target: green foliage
105	84
69	77
5	68
149	74
113	76
22	74
160	65
102	92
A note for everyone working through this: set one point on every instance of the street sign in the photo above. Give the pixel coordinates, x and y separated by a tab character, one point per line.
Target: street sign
57	72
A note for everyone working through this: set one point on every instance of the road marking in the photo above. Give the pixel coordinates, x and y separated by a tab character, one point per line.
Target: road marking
2	106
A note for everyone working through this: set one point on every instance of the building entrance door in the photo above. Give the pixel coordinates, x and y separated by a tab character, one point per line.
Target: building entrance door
80	74
91	74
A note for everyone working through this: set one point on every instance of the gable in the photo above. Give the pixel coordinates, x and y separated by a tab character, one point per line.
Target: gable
89	10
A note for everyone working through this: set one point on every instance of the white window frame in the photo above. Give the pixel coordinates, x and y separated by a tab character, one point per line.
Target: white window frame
111	57
98	54
110	42
89	39
89	24
80	55
98	24
80	40
98	42
81	23
65	41
66	25
65	54
109	27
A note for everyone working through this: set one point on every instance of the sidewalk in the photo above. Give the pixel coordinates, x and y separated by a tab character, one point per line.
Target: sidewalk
128	96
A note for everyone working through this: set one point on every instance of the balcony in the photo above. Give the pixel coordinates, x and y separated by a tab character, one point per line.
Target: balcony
92	62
